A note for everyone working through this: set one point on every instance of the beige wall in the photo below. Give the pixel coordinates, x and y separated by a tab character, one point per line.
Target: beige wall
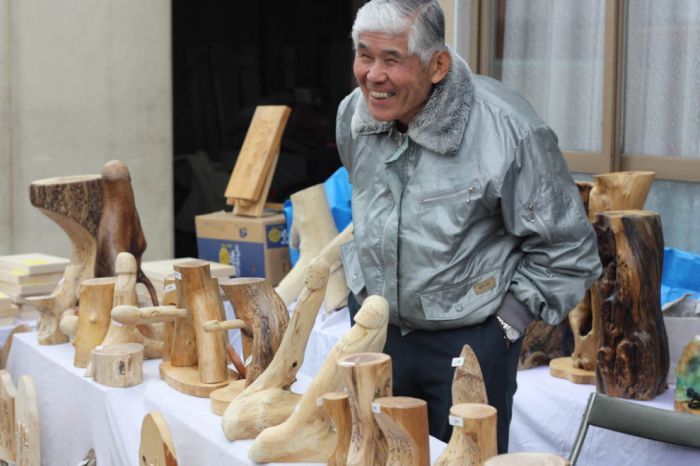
5	142
90	81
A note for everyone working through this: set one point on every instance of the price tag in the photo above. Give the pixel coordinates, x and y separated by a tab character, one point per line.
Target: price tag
319	401
296	408
169	288
376	408
249	359
178	275
456	421
456	362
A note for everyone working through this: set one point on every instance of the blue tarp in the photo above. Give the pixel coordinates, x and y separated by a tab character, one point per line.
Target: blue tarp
338	192
681	275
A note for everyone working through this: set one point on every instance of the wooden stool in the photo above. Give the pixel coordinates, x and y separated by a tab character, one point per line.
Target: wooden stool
527	459
473	435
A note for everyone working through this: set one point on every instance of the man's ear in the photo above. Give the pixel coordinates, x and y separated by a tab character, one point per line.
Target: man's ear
439	66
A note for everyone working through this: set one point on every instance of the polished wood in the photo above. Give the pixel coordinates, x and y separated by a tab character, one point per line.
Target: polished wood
157	447
94	317
367	376
337	406
268	401
543	343
468	381
186	380
307	435
118	365
473	438
563	368
404	423
169	299
27	434
633	359
132	315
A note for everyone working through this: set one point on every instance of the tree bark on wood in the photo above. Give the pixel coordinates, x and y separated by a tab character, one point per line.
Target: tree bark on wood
367	377
268	401
119	365
468	381
337	406
75	204
404	423
633	359
94	317
542	343
473	438
307	435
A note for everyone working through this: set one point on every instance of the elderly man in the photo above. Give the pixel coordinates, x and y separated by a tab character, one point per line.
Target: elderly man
466	219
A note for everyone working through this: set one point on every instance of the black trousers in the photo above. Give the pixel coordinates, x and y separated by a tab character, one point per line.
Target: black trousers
422	368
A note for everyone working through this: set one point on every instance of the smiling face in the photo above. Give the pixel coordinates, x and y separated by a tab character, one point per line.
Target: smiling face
395	85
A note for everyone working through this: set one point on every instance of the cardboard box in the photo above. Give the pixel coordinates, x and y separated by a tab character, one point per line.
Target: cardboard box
255	246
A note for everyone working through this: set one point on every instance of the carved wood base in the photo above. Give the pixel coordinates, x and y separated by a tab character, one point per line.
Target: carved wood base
563	368
186	380
222	397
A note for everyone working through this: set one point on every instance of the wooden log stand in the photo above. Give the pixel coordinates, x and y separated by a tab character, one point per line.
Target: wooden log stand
269	401
404	423
75	204
337	406
94	317
27	438
633	359
473	438
156	446
118	365
307	434
266	319
367	376
468	381
8	393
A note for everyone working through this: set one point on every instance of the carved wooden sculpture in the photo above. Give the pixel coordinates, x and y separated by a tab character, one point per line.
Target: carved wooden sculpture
7	346
404	423
169	299
96	299
337	406
633	358
268	401
473	438
75	204
313	229
527	459
367	376
199	293
27	441
120	226
8	393
468	381
125	294
688	377
307	434
543	343
156	447
266	318
119	365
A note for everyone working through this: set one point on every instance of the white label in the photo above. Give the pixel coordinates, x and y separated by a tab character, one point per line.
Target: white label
319	401
249	359
456	362
376	408
456	421
178	275
171	287
99	347
296	408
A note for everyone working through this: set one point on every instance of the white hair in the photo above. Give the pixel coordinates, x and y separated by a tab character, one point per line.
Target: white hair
423	19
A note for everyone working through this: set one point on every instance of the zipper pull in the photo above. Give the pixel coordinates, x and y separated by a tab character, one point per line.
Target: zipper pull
471	190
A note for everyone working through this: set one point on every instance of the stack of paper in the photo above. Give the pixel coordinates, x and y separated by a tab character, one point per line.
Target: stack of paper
158	271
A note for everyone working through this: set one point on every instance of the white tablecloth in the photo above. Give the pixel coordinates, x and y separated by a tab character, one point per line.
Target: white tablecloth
547	413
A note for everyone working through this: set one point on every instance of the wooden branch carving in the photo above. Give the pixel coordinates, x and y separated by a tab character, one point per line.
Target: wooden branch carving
96	300
156	447
404	423
367	376
307	434
5	352
169	299
543	343
268	401
473	438
468	382
633	359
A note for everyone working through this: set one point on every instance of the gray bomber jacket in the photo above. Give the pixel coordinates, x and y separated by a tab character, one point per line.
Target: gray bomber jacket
471	207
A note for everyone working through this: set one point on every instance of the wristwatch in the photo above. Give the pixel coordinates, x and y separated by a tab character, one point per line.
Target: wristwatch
509	333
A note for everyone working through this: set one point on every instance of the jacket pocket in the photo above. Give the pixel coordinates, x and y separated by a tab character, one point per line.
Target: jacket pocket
351	264
467	193
460	300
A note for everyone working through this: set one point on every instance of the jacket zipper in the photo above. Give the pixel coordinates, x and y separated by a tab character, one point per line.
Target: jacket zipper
470	190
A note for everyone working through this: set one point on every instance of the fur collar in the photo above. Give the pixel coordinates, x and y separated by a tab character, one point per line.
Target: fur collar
440	124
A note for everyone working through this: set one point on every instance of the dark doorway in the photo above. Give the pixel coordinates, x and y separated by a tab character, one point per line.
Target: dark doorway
230	56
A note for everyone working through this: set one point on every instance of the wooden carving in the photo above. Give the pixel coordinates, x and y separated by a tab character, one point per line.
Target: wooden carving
527	459
367	377
307	434
688	378
8	393
473	438
75	204
120	226
7	346
169	299
96	299
313	229
266	319
404	423
543	343
156	447
468	381
118	365
27	439
633	358
268	401
337	406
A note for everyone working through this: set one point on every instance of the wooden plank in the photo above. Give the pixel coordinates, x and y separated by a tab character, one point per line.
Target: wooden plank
246	208
260	147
